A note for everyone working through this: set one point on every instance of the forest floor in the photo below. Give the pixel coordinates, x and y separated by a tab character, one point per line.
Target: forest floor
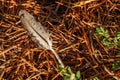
75	27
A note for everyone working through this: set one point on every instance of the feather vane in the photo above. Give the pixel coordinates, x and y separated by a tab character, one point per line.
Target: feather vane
37	32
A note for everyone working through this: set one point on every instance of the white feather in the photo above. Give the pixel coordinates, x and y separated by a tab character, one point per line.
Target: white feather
37	32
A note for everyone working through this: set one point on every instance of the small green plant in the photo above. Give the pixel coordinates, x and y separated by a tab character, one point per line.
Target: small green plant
100	32
68	74
106	39
117	39
116	65
109	42
96	78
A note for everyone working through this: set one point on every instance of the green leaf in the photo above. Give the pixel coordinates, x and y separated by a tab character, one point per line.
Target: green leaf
101	32
95	78
106	41
118	35
78	75
116	40
111	45
72	76
69	70
116	65
64	72
66	78
118	44
106	34
60	67
68	74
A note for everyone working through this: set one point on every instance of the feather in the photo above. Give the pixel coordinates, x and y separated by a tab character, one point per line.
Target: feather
37	32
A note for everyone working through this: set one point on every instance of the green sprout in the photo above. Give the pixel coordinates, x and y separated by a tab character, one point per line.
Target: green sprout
117	38
68	74
100	31
96	78
106	39
109	42
116	65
